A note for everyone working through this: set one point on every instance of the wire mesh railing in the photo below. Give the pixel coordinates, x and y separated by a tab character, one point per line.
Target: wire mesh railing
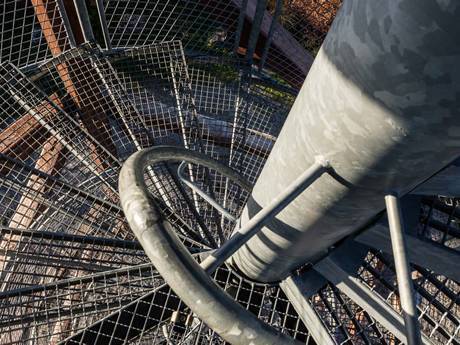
199	25
54	311
160	316
19	97
436	296
223	28
33	31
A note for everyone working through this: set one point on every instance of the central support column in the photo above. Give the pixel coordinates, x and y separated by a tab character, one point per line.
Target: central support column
382	104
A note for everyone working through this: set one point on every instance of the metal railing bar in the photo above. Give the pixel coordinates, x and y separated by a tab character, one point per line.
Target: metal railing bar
205	234
65	283
65	20
403	272
202	193
268	42
255	30
103	22
83	18
61	236
263	216
73	190
239	29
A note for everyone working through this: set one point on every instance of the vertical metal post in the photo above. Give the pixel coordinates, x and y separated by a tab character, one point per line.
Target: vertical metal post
268	42
255	29
403	273
239	28
103	21
83	18
65	20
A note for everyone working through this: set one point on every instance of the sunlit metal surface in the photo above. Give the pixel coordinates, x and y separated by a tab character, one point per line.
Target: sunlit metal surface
172	72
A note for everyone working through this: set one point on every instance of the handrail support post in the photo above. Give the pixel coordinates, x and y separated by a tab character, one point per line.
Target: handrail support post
403	272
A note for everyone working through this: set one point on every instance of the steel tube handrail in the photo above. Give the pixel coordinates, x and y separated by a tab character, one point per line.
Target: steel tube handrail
189	281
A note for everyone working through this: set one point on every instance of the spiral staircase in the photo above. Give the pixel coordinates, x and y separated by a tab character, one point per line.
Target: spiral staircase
196	93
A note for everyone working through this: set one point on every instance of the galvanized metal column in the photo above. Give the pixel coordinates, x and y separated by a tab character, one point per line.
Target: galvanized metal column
381	104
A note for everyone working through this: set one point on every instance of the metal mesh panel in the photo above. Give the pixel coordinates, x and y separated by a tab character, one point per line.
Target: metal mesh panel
308	20
346	321
40	140
92	93
151	76
436	297
216	87
59	249
237	125
62	206
440	221
154	84
44	257
233	120
257	123
211	27
215	84
51	312
28	257
27	110
31	31
95	95
160	316
185	108
199	25
157	81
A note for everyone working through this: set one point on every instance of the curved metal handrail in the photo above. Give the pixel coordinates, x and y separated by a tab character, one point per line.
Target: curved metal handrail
172	260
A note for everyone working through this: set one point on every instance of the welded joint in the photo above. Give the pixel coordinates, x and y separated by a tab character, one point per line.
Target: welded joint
323	161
